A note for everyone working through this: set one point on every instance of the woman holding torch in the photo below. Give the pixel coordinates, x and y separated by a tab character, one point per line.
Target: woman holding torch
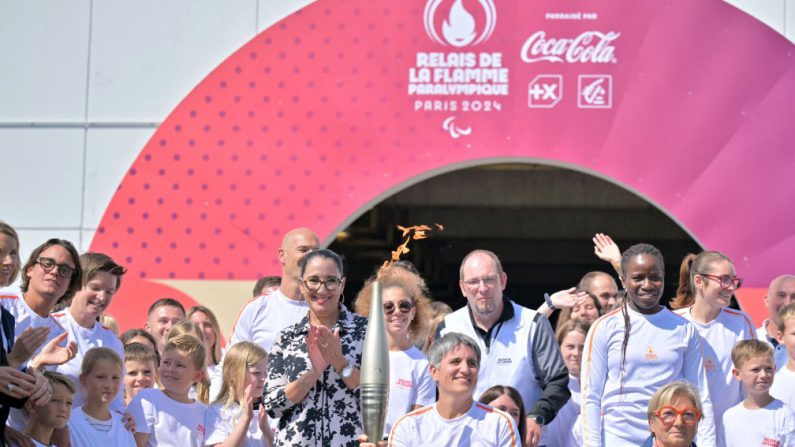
313	368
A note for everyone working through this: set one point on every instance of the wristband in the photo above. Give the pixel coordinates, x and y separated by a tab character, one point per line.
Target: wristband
548	300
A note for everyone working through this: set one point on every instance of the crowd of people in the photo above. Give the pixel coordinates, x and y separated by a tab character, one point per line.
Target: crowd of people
619	369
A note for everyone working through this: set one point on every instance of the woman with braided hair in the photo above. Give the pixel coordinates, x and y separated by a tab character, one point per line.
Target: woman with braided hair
634	350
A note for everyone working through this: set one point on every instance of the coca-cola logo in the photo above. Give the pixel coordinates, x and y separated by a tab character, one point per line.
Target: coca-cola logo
589	47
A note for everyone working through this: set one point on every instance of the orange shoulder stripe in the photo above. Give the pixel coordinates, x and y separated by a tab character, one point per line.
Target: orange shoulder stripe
502	414
745	317
416	412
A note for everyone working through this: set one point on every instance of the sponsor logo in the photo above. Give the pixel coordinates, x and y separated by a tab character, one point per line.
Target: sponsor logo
545	91
770	442
200	429
709	365
589	47
595	91
504	361
460	26
404	383
650	355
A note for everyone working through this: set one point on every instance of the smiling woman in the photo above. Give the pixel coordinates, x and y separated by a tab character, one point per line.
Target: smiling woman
674	413
635	350
313	368
101	279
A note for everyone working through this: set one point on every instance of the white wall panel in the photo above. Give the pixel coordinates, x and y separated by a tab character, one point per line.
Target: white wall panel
789	20
146	55
42	179
271	11
109	154
769	12
43	55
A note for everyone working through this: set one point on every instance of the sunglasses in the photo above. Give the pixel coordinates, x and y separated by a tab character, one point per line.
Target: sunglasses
48	264
404	306
725	281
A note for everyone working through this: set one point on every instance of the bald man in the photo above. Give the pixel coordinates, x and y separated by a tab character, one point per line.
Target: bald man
780	293
264	317
602	286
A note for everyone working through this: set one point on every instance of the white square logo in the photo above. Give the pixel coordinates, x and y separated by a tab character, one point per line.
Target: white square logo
545	91
595	91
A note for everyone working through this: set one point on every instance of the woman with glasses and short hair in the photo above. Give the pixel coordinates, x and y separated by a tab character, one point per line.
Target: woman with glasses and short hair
313	367
406	314
707	282
674	413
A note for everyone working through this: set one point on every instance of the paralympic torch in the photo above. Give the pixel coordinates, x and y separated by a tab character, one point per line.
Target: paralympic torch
374	374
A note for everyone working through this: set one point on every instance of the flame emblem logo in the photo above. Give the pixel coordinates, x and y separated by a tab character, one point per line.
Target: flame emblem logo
460	27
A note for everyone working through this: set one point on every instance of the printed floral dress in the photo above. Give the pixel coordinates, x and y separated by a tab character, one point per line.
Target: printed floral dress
329	415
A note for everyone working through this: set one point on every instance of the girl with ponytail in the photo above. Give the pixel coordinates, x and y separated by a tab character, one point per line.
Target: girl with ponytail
634	350
707	282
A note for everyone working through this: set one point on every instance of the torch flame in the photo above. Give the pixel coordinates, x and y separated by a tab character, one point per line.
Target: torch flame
459	28
415	232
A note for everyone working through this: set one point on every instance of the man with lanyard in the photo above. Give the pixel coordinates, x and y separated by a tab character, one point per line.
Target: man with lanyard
518	344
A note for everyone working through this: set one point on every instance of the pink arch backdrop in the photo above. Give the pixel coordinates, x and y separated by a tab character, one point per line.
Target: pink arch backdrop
688	104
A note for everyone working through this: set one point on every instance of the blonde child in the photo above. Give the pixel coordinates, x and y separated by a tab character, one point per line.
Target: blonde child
232	419
784	386
94	424
200	391
168	416
760	419
140	364
44	419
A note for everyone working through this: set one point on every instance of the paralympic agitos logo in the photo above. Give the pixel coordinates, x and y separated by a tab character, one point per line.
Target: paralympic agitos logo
458	23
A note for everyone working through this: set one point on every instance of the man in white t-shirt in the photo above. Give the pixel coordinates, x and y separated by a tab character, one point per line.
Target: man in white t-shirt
780	293
163	314
455	419
262	318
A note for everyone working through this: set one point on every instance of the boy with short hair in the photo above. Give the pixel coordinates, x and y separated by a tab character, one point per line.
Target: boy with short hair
140	366
760	419
168	416
784	386
44	419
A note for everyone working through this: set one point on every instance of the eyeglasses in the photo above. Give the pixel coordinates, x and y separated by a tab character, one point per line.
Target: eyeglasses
47	264
667	415
725	281
314	283
488	281
404	307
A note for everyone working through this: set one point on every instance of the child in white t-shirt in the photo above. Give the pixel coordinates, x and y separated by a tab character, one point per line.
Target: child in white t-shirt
45	419
760	419
94	424
140	366
232	420
168	416
784	386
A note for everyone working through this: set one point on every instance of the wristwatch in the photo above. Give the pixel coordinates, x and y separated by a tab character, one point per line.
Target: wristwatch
347	371
538	419
548	300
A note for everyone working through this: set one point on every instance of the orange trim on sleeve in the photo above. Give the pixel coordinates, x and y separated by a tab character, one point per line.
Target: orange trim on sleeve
501	414
413	413
747	321
9	297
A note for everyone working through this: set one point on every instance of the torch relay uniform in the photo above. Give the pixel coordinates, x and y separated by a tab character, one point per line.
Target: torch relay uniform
410	384
481	426
662	347
718	338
